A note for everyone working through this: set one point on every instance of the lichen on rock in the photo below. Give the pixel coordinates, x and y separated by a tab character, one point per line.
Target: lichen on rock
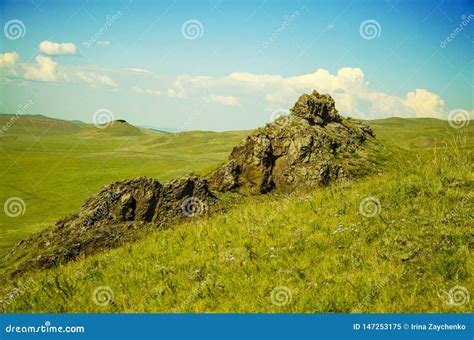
115	215
297	151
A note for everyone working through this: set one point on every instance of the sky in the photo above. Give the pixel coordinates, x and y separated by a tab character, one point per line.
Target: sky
229	65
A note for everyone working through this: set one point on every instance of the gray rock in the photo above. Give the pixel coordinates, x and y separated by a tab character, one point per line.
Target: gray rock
115	215
299	151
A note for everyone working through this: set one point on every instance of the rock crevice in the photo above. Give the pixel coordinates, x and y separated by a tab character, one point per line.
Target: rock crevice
312	146
297	151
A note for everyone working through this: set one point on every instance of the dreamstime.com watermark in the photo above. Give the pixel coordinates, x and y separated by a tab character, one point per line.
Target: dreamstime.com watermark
373	292
370	206
14	207
12	295
192	117
281	296
103	118
458	118
466	19
103	296
279	117
465	200
192	207
192	29
370	29
288	20
198	289
47	327
102	209
110	20
22	109
14	29
458	296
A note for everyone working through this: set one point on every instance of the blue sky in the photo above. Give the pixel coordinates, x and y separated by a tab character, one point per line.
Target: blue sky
223	65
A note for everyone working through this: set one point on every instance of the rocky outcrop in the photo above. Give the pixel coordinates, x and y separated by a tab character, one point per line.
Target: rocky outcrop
301	150
115	215
312	146
146	200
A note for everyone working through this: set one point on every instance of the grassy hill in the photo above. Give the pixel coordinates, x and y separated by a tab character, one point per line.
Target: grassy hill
54	165
322	251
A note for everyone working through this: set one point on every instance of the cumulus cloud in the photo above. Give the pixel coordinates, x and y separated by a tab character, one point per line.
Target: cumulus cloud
150	92
45	70
53	48
224	100
349	87
425	103
8	63
100	80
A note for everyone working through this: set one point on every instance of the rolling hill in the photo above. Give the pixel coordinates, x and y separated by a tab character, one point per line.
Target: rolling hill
317	245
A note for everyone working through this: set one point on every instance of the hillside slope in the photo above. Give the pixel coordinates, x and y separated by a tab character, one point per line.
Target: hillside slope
52	166
398	241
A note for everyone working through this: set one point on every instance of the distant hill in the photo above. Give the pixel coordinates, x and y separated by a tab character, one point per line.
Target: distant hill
37	125
404	228
40	125
117	128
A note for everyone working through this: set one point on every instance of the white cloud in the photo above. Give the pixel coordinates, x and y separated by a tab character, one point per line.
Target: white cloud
137	70
150	92
45	70
48	70
103	43
53	48
425	103
224	100
100	80
352	92
348	86
8	63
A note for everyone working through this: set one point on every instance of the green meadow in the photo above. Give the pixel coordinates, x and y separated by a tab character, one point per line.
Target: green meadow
398	240
53	165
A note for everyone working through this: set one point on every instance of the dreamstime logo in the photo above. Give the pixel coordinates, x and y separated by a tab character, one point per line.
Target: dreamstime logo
22	108
370	29
193	117
276	34
192	29
370	207
14	207
103	118
458	296
11	296
466	19
192	206
458	119
14	29
281	296
103	296
465	200
374	291
277	114
109	21
194	294
102	209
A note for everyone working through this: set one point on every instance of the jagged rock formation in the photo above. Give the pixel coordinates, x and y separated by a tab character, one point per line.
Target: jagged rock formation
146	200
312	146
115	215
301	150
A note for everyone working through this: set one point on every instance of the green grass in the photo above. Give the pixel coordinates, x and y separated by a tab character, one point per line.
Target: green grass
53	166
317	245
